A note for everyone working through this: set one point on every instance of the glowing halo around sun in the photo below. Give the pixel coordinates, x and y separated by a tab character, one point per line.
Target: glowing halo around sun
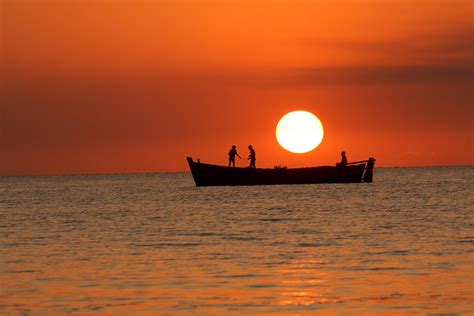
299	132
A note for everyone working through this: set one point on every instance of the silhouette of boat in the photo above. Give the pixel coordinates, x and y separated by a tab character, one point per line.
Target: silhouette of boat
214	175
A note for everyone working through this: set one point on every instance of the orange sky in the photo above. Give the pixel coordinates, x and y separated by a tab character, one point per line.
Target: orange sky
97	86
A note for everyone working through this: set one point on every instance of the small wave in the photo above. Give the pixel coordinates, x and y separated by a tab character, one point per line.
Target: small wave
465	241
239	276
52	279
23	271
391	252
242	238
261	286
163	245
305	244
306	231
280	219
358	268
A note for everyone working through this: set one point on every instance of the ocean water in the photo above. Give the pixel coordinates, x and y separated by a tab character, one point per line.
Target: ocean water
156	244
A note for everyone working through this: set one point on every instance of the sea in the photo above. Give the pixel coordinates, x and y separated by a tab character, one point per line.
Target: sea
154	244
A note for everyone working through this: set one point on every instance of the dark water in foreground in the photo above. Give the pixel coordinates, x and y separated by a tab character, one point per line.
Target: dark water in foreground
155	244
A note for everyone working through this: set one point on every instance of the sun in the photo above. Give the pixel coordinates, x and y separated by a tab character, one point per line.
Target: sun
299	132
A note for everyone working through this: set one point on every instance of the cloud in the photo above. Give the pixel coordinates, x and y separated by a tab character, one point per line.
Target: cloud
363	75
452	47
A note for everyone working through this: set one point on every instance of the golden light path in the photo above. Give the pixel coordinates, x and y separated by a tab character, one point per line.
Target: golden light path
299	132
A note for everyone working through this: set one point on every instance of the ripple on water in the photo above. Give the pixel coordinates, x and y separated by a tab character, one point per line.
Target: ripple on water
156	244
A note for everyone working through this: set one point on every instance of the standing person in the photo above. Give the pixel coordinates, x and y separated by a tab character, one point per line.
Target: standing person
232	154
252	157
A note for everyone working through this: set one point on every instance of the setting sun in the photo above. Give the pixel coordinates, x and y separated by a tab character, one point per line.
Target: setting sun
299	132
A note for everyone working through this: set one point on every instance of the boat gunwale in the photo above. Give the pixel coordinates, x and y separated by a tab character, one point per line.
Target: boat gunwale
358	164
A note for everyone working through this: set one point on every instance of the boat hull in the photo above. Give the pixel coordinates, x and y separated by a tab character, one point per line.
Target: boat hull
213	175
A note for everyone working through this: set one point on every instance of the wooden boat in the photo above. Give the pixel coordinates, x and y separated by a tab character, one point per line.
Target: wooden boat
214	175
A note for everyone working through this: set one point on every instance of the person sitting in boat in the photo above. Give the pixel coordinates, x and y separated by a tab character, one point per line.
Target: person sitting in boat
252	157
343	162
232	154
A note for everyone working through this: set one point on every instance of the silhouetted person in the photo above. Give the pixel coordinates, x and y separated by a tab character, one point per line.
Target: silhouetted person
232	154
343	159
369	170
252	157
343	162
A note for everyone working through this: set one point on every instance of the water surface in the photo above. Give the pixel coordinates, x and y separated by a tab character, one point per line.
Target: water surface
156	244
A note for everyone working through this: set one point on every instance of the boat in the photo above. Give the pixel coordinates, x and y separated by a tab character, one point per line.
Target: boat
214	175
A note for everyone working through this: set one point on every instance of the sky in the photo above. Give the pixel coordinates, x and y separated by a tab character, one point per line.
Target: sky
102	86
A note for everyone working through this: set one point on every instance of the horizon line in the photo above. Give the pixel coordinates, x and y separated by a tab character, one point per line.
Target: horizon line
158	172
